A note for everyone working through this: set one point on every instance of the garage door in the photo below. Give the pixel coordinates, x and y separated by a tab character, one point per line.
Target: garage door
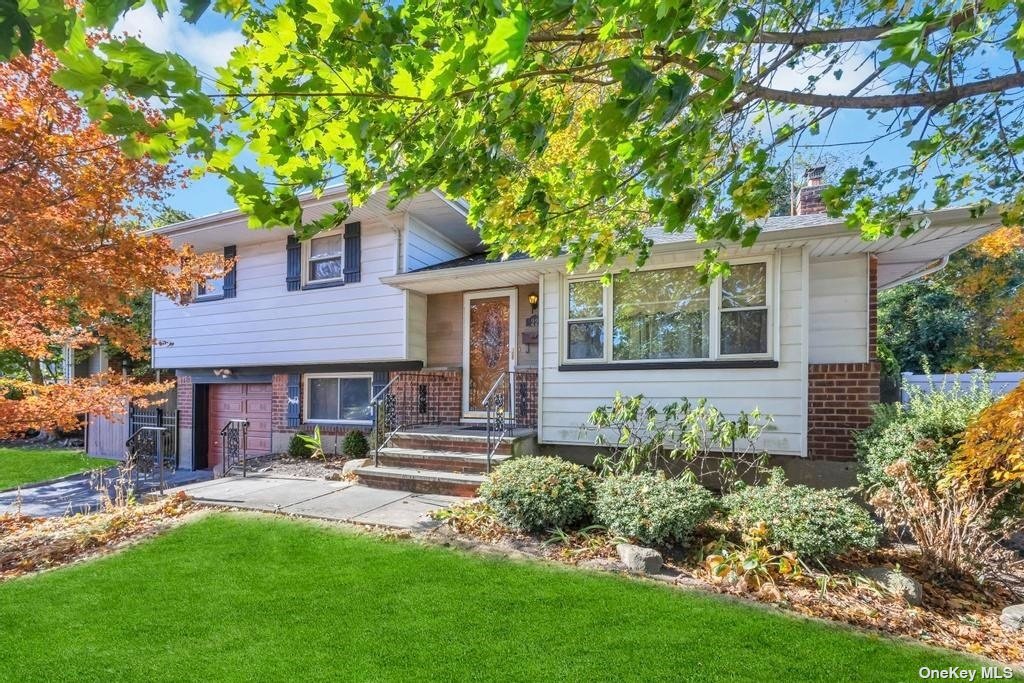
246	401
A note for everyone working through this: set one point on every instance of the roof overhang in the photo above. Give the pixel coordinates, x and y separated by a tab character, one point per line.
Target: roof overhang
899	258
215	231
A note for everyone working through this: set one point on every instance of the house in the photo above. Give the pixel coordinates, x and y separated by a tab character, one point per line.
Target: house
399	305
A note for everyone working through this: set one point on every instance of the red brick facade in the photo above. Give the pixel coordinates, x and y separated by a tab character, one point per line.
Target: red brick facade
428	396
279	403
185	401
840	396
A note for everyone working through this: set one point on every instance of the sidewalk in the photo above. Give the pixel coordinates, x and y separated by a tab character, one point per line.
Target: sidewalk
322	499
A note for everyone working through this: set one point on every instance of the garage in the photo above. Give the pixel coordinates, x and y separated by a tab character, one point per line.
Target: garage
239	401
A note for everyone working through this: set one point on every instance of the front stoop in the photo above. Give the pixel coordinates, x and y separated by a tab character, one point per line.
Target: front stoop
444	464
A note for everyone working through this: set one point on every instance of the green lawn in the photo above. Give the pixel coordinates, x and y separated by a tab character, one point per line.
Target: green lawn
20	466
244	598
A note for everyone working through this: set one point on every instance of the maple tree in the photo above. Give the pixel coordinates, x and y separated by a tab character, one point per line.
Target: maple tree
72	255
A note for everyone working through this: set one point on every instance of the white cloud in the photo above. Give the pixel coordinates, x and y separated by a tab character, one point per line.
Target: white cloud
170	33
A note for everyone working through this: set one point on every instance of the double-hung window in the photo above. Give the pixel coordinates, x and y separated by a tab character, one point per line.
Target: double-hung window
325	258
670	315
339	398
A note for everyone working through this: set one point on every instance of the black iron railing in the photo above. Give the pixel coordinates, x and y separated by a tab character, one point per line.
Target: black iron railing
156	417
510	404
145	457
233	437
415	398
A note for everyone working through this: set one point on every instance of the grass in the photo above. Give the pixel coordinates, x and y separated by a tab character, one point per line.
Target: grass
20	466
233	597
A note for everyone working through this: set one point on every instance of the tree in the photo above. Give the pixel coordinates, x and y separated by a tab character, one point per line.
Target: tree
73	258
687	128
967	315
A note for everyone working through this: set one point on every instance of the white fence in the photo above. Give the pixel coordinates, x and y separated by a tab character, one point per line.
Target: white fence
999	383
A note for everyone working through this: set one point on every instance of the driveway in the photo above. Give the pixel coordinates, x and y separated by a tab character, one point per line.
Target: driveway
74	494
322	499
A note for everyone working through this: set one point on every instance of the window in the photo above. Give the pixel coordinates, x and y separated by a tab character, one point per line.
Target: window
586	319
745	310
325	256
660	314
668	315
339	398
211	289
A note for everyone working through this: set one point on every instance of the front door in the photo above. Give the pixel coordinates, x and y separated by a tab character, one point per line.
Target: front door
489	345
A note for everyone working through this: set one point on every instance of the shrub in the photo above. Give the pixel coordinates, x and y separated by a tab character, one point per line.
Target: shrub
955	527
815	523
297	446
355	444
536	493
992	452
925	433
652	509
649	438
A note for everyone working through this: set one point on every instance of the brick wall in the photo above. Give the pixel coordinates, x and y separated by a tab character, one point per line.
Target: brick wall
185	401
428	396
279	403
840	396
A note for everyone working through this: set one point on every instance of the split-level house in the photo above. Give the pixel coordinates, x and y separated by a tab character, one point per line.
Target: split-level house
397	316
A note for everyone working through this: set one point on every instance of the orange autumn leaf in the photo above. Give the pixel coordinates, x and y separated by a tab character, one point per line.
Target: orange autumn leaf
72	255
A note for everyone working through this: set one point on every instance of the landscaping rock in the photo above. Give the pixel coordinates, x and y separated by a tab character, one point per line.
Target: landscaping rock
352	465
897	583
639	559
1012	618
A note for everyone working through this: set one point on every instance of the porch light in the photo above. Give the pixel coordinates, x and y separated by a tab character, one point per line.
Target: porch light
533	299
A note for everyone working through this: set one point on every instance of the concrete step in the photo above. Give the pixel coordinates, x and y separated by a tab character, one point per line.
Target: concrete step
443	461
420	481
461	443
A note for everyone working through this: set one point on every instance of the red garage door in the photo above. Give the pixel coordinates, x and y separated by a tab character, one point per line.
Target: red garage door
245	401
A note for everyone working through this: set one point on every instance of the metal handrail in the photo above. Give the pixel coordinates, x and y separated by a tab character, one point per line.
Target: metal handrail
379	441
489	405
158	456
241	424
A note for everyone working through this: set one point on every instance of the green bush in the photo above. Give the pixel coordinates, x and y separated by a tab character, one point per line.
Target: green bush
815	523
536	493
297	446
651	509
355	444
925	432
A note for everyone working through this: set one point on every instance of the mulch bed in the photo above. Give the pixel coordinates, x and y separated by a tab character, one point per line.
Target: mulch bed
32	544
303	468
954	614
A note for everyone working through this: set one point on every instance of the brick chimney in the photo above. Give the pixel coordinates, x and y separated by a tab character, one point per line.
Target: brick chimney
808	199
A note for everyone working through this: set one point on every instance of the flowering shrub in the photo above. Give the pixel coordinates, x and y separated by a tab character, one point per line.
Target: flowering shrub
652	509
536	493
815	523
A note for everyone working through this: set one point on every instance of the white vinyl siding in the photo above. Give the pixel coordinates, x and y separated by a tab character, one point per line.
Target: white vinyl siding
424	246
839	310
267	325
569	397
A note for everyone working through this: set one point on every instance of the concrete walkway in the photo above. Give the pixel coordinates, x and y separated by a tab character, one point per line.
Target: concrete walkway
76	494
322	499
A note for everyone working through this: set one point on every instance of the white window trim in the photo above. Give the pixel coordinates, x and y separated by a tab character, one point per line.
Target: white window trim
306	419
307	250
715	324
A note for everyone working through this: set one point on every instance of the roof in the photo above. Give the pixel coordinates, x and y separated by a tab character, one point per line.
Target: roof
899	258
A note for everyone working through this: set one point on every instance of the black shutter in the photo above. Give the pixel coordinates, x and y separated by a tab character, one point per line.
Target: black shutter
230	280
293	279
353	252
293	401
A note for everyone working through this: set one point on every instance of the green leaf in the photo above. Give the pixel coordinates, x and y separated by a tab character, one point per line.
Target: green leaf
632	73
506	42
191	10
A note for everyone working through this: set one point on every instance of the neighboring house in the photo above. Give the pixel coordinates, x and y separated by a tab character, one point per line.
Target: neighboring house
400	302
